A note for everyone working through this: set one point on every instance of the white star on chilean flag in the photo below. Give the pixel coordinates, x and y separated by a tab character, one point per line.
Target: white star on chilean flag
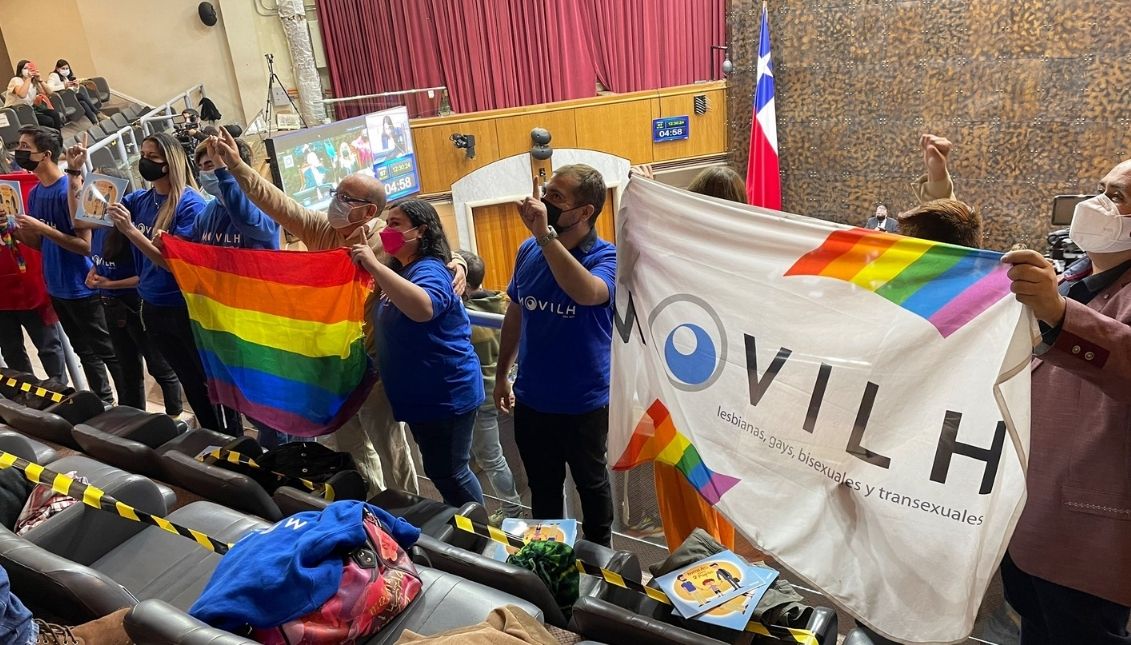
763	180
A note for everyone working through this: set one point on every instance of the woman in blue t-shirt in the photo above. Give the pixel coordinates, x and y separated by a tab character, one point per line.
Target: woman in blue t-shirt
115	277
424	351
171	205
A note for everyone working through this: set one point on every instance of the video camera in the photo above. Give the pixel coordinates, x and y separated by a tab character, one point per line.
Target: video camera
1062	251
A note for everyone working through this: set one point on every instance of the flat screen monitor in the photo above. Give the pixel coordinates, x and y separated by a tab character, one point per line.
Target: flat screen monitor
307	164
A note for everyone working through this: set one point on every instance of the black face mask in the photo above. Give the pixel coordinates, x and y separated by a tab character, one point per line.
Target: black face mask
151	170
24	160
554	215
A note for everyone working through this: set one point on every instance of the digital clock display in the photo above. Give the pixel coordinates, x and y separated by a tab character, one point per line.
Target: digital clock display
670	128
399	176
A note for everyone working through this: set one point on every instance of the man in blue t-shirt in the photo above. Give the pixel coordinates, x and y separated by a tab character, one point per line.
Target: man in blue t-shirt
65	250
559	324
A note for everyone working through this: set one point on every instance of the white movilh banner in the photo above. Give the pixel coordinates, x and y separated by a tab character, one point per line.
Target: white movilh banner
855	402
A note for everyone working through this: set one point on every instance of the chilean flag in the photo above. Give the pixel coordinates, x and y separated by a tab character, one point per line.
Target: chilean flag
763	181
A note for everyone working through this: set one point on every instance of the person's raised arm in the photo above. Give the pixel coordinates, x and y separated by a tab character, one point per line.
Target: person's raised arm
503	397
936	183
20	87
302	222
580	285
411	299
76	159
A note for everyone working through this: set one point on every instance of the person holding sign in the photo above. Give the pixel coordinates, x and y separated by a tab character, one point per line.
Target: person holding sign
24	303
170	206
559	325
374	438
49	227
231	220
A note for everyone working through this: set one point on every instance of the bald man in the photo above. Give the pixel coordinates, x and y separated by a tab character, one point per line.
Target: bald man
374	438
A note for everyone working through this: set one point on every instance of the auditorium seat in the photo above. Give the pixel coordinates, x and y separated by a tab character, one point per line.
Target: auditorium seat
127	438
95	133
522	582
69	104
120	121
857	637
25	114
604	621
114	569
446	602
55	424
25	447
9	128
102	89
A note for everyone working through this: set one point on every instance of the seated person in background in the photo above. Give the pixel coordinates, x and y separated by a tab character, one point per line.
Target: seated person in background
880	221
27	88
424	350
374	438
485	445
64	78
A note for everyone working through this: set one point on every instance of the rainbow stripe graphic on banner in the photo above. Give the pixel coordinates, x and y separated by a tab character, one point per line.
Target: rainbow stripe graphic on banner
656	439
279	332
945	284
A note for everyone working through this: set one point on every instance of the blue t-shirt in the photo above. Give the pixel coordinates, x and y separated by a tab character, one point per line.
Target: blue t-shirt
157	286
430	369
564	351
231	220
64	272
119	269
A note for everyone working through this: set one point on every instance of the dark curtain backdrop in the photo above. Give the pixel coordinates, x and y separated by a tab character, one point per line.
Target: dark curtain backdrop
493	54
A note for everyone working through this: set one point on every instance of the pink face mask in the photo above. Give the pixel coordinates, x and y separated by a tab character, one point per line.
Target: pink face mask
393	240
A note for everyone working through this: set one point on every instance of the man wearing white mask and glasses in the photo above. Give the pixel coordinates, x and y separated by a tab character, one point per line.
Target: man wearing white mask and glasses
1068	566
374	438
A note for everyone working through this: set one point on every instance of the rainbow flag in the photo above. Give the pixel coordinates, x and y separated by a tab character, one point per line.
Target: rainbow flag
945	284
279	332
656	439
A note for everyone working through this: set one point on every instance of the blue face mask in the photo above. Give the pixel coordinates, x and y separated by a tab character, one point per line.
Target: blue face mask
210	183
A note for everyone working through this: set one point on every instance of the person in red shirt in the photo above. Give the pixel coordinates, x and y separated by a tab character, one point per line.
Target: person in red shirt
24	305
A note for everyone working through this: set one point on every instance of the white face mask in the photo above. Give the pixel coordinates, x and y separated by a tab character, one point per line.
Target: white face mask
27	71
1097	226
65	72
338	213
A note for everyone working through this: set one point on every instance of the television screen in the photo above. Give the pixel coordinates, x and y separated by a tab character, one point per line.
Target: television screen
308	163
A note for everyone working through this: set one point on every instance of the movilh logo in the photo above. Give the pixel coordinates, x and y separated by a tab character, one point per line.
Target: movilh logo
656	439
945	284
693	338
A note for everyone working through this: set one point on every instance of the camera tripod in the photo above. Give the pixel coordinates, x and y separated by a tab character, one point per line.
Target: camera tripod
272	80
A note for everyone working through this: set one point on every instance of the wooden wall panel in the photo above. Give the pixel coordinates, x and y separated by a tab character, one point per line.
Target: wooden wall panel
499	232
514	131
623	129
1030	91
441	163
447	214
708	132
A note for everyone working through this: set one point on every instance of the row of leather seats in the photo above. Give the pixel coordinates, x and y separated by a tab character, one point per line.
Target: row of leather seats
603	607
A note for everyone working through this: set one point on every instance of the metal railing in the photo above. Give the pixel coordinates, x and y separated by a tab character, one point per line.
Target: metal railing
485	319
118	139
385	100
165	111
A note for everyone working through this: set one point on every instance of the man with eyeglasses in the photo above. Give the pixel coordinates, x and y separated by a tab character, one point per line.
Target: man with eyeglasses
374	438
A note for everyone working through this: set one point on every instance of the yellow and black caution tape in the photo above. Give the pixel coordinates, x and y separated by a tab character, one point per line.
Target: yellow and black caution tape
232	457
97	498
786	634
33	389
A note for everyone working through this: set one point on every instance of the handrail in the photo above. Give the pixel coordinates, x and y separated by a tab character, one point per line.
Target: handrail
166	109
485	319
439	88
119	139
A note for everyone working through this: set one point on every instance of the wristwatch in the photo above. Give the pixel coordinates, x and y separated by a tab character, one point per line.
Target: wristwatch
550	236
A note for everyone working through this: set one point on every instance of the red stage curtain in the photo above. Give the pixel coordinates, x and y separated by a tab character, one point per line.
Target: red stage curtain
507	53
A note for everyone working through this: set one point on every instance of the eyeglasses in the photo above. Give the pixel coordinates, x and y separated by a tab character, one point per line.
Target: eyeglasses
353	201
